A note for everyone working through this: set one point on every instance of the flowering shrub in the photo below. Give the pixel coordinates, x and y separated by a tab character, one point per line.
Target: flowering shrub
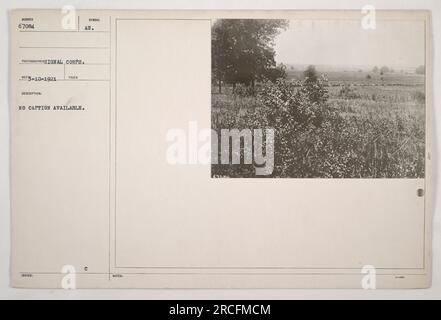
293	104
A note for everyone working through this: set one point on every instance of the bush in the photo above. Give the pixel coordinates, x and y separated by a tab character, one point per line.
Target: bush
419	96
420	70
295	110
296	103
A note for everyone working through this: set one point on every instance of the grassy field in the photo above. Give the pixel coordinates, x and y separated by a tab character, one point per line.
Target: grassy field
370	127
360	78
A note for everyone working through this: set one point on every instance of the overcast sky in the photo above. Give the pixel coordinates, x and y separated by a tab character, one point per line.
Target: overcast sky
342	42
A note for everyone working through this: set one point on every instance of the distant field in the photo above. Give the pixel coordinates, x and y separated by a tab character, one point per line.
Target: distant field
360	78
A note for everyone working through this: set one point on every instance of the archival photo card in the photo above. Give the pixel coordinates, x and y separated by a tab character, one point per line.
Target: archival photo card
130	127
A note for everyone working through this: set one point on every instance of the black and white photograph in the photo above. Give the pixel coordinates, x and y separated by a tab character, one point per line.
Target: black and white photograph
344	100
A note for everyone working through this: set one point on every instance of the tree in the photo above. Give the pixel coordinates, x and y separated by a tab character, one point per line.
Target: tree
375	69
384	69
420	70
313	85
242	49
310	74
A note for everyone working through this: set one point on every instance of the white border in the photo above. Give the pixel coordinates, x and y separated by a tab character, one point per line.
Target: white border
9	293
